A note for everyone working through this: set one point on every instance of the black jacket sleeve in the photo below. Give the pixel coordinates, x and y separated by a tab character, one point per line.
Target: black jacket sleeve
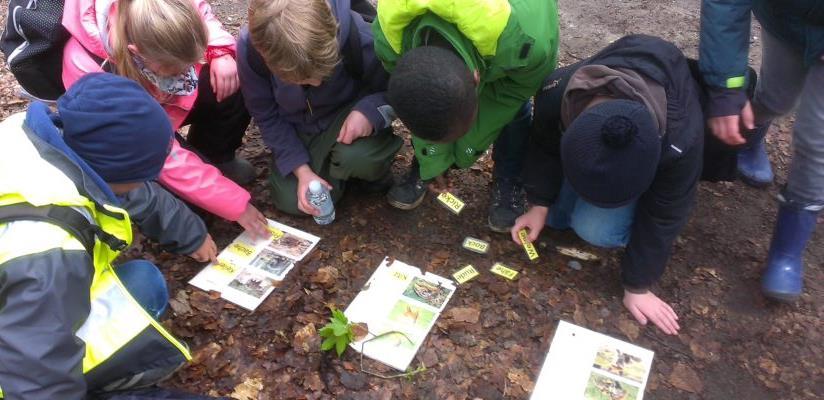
543	173
44	299
164	218
660	215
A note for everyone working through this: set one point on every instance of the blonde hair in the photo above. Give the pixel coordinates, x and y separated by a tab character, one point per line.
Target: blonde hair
297	38
166	32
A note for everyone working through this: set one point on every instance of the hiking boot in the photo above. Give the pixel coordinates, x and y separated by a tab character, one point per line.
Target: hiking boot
782	280
238	170
506	204
754	167
410	191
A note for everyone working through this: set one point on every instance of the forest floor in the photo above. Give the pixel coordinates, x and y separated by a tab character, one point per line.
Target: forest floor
734	344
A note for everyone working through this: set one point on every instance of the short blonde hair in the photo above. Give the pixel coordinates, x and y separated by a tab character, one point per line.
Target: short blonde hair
165	32
297	38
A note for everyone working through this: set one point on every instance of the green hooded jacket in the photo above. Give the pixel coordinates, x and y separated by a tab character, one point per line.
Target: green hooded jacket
513	44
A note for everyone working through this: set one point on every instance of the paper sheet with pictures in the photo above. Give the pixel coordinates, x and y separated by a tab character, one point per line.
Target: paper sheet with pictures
246	271
398	297
583	364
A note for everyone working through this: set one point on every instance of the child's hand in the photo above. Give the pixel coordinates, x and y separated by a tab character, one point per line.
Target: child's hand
207	251
534	221
223	76
647	306
305	175
254	222
354	127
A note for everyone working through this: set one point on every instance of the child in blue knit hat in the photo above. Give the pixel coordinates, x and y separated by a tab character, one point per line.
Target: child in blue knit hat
71	183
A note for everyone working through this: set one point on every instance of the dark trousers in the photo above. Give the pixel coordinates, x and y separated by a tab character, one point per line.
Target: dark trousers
510	146
216	129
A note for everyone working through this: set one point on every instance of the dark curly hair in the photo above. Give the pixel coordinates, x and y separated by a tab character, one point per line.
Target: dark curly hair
434	93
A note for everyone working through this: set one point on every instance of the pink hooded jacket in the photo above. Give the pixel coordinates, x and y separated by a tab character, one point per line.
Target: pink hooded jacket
91	23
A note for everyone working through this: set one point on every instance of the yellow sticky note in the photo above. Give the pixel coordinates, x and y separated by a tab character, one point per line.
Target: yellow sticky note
529	248
276	233
502	270
477	245
465	274
225	267
451	202
241	250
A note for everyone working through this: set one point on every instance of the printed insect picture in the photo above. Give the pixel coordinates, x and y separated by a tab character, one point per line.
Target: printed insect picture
429	293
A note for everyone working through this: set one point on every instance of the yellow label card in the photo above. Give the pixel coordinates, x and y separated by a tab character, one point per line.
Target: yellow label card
451	202
529	248
465	274
225	267
241	250
276	233
504	271
399	275
476	245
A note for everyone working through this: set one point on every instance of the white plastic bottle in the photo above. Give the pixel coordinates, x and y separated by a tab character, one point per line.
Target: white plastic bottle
319	197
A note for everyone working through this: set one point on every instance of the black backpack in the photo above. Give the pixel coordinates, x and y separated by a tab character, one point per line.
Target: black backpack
33	43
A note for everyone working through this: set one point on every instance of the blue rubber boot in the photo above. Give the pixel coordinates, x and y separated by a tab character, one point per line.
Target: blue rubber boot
754	167
783	277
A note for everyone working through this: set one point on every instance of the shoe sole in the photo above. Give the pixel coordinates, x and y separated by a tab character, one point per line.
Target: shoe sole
754	183
497	229
405	206
781	297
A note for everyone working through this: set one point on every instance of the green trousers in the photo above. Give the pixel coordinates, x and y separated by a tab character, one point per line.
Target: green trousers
368	159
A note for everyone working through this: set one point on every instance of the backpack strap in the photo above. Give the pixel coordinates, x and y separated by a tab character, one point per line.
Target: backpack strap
67	218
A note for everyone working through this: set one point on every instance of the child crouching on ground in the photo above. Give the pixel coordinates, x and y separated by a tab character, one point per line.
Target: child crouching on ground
311	81
179	53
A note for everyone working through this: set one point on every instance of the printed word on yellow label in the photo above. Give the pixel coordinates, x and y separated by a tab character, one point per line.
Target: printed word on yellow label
476	245
276	233
225	267
465	274
451	202
241	250
529	248
504	271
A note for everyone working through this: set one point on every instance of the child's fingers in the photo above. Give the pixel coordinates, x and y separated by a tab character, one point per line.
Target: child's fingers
213	80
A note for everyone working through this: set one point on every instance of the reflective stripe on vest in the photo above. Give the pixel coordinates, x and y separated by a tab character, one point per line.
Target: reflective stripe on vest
481	21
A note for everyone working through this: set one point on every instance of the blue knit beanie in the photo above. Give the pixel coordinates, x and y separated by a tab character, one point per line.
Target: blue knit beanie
115	126
610	153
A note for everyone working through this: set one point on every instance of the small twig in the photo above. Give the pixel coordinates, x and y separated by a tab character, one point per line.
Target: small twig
569	53
665	344
420	369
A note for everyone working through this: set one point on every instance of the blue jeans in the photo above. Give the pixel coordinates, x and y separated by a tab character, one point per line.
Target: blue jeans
510	146
146	284
602	227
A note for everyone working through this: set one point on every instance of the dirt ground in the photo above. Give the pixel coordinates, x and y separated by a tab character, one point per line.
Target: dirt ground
733	344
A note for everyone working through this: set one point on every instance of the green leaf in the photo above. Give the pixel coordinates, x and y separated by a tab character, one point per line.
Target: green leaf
340	329
340	346
340	316
328	344
326	331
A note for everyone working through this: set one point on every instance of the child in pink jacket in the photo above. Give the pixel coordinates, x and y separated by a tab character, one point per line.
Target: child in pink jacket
181	55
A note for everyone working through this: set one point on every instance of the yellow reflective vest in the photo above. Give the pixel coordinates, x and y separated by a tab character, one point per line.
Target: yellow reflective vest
32	171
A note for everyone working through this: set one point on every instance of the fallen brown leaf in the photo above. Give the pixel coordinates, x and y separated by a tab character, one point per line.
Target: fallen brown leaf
685	378
465	314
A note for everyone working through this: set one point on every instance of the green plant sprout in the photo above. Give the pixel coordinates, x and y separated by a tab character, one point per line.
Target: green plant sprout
337	333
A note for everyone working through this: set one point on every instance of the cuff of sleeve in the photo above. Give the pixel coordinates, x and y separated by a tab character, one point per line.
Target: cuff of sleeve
286	166
636	290
371	107
723	102
217	52
535	200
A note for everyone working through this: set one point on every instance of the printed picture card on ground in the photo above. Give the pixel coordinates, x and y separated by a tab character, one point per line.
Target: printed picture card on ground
246	271
587	365
398	298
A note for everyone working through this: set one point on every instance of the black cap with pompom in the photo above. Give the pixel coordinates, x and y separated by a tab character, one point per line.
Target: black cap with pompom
610	152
